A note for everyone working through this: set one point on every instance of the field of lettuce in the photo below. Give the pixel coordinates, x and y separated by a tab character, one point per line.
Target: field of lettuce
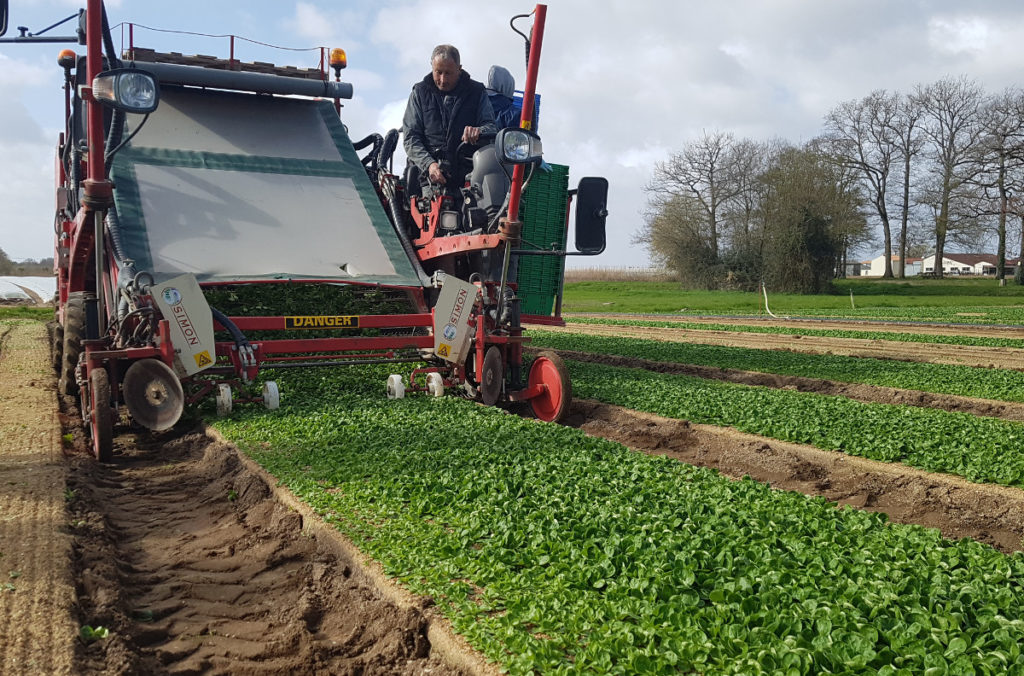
553	551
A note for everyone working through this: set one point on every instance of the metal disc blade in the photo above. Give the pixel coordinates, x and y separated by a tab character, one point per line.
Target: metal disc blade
153	394
491	377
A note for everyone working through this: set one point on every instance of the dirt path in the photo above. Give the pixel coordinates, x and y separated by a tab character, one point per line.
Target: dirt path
859	392
1016	333
958	508
967	355
183	552
36	593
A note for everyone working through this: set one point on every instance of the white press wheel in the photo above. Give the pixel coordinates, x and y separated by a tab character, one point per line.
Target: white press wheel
435	384
396	390
223	400
271	395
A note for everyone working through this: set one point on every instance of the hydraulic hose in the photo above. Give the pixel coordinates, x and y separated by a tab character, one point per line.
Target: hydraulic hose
231	327
398	220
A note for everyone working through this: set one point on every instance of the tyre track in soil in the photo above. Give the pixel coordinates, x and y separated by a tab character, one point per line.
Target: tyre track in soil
956	507
186	556
936	353
859	392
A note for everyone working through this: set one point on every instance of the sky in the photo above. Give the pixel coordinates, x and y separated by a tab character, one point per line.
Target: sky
623	83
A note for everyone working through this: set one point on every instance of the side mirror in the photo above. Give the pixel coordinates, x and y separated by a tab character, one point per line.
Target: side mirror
591	212
3	17
518	146
127	89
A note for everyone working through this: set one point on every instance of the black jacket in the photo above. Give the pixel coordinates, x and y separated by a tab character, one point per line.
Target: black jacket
434	120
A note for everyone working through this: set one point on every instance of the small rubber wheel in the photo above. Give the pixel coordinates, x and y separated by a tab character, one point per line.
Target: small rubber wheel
223	400
435	385
548	370
492	376
271	395
102	423
395	388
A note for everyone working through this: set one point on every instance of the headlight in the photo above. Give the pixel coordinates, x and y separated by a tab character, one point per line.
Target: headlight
133	91
519	146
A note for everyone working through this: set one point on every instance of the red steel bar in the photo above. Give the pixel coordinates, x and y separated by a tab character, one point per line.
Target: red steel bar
526	121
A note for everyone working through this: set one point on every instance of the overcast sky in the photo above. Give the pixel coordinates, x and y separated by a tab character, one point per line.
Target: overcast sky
623	83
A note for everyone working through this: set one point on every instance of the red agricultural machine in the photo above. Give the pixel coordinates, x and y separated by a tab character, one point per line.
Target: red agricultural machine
186	182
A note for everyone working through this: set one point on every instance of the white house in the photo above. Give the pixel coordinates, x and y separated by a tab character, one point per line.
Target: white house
876	266
967	264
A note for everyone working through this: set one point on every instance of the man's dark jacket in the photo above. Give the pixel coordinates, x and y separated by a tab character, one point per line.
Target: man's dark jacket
434	120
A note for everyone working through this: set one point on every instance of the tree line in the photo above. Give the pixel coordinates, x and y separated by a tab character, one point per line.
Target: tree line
942	165
26	268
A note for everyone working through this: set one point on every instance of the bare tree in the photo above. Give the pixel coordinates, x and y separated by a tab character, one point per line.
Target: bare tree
952	129
1001	156
909	141
704	171
860	135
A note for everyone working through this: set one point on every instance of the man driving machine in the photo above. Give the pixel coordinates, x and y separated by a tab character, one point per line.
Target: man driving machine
446	108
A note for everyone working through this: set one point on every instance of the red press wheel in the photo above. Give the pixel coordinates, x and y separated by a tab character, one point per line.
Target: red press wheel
552	404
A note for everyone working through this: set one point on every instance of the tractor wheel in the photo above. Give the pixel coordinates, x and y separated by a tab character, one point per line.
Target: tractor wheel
549	370
96	400
73	333
56	346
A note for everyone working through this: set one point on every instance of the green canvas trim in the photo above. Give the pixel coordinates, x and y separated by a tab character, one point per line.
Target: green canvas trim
132	225
191	159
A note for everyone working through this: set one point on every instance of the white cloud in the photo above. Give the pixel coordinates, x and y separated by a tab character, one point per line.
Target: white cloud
961	34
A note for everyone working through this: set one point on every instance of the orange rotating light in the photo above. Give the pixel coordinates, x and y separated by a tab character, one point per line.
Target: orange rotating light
66	59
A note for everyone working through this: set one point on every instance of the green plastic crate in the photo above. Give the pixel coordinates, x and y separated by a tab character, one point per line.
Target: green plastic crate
543	215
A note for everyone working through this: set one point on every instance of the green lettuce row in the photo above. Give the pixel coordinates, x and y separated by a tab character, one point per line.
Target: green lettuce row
984	450
979	341
555	552
966	381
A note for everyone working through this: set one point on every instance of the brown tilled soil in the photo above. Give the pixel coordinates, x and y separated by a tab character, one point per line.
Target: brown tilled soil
867	393
975	330
182	551
967	355
958	508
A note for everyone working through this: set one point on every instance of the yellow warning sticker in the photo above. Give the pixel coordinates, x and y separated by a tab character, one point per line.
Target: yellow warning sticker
327	322
444	349
203	358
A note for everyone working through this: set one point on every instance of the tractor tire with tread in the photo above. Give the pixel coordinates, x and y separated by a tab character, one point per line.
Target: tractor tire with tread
73	332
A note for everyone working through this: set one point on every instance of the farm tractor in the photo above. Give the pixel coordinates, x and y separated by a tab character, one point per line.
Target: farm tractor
184	183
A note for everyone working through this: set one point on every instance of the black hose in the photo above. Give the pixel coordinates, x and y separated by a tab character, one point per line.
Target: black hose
231	327
387	149
398	220
108	41
114	230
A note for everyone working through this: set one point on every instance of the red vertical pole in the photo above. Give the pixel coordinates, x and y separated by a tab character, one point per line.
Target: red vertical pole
131	39
94	66
231	59
529	91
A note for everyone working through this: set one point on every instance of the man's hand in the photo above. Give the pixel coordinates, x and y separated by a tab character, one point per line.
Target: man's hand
471	135
435	172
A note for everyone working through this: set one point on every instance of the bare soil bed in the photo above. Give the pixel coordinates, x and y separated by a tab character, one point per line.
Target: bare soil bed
831	324
958	508
186	556
967	355
859	392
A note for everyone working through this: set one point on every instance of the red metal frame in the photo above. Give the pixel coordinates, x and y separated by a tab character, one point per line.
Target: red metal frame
76	271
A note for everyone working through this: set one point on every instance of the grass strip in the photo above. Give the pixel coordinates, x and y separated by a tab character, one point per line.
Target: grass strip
966	381
984	450
896	336
555	552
